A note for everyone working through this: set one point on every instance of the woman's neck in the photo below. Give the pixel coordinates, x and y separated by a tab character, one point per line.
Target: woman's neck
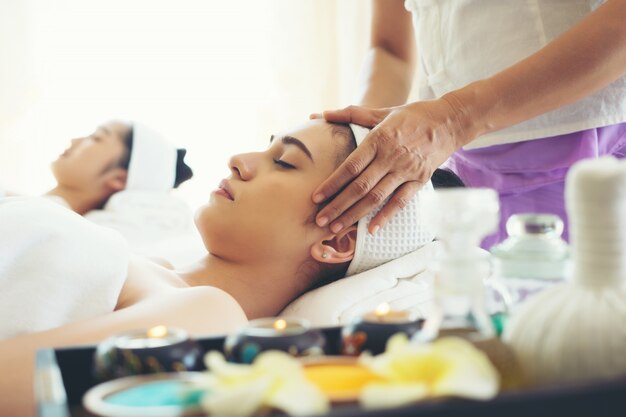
78	200
262	289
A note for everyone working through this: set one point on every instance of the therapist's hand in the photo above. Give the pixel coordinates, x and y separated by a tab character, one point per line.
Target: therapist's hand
407	143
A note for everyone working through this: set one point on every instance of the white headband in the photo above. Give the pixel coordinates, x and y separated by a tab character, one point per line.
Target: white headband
152	161
404	233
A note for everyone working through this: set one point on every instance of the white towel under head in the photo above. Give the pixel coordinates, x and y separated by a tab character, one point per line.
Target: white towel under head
404	283
406	232
152	161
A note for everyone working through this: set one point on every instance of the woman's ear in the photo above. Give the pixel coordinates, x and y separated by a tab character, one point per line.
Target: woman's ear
115	179
336	248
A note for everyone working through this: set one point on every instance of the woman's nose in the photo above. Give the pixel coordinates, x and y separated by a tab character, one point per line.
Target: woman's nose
75	141
243	166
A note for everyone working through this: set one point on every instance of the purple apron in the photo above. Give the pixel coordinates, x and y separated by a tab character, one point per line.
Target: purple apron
530	176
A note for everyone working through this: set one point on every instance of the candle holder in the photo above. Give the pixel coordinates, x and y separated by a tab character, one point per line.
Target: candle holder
293	336
371	332
156	350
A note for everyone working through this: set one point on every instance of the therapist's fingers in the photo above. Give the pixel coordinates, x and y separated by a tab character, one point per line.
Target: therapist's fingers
358	160
400	199
367	203
354	165
356	114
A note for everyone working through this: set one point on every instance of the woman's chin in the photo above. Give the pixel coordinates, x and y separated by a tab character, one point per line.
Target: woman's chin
212	232
202	216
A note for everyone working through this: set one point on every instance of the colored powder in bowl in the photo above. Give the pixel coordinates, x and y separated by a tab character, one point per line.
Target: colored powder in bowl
340	382
158	394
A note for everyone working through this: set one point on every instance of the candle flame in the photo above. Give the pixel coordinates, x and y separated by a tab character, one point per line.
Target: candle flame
157	331
382	310
280	324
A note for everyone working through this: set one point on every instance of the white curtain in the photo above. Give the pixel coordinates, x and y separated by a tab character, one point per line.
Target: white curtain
216	77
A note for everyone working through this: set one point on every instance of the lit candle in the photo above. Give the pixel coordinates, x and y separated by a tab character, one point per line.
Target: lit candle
371	332
154	337
384	314
280	325
158	349
290	335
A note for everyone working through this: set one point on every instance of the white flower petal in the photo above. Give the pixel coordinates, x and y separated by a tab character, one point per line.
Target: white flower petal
471	375
241	400
217	364
448	366
278	363
391	395
397	343
299	398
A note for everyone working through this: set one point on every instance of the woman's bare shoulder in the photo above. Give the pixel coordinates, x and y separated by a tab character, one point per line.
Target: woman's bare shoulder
200	310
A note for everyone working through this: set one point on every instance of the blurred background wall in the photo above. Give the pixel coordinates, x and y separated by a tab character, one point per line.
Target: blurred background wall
216	77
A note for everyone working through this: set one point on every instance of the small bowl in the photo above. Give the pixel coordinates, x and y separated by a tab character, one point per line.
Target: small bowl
362	335
135	353
126	397
294	336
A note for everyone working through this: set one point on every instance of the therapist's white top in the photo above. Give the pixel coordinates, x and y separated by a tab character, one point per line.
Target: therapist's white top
461	41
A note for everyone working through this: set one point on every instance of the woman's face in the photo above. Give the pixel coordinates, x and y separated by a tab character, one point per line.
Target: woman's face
264	209
83	164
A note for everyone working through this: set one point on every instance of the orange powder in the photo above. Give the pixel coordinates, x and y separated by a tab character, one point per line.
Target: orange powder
340	382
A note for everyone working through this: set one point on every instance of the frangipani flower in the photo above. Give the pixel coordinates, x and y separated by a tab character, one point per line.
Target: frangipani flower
275	379
448	366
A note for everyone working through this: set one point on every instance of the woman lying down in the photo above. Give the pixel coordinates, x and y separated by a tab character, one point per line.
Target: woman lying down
70	282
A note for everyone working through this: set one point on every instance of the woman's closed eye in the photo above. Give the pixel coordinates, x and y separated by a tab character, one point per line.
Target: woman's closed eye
283	164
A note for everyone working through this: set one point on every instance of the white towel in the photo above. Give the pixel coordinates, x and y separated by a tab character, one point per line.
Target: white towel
153	159
144	216
157	225
407	231
405	283
55	266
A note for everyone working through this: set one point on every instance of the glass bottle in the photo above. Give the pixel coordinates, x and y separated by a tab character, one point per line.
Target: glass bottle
462	218
533	257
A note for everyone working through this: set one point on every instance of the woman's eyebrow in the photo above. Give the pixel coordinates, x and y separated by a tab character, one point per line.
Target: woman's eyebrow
290	140
105	129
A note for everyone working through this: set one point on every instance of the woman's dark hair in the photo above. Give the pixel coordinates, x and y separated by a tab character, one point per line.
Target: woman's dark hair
128	142
444	178
183	171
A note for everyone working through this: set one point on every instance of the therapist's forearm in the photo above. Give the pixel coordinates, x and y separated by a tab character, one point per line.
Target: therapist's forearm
578	63
384	81
387	71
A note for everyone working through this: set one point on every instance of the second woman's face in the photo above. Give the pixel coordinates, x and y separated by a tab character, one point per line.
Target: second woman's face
264	209
83	163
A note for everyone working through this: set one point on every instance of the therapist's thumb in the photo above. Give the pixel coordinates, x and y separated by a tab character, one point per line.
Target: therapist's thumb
356	114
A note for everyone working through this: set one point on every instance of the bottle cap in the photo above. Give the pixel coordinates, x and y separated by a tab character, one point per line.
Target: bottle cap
534	224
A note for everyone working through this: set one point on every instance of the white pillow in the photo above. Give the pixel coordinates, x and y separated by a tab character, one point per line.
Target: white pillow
404	283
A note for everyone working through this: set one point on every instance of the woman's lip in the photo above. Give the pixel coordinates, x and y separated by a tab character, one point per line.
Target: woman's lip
225	190
223	193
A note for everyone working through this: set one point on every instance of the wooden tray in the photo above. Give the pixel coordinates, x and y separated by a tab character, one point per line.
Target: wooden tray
64	375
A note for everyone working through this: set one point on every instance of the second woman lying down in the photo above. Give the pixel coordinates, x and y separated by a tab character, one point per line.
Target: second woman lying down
263	250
